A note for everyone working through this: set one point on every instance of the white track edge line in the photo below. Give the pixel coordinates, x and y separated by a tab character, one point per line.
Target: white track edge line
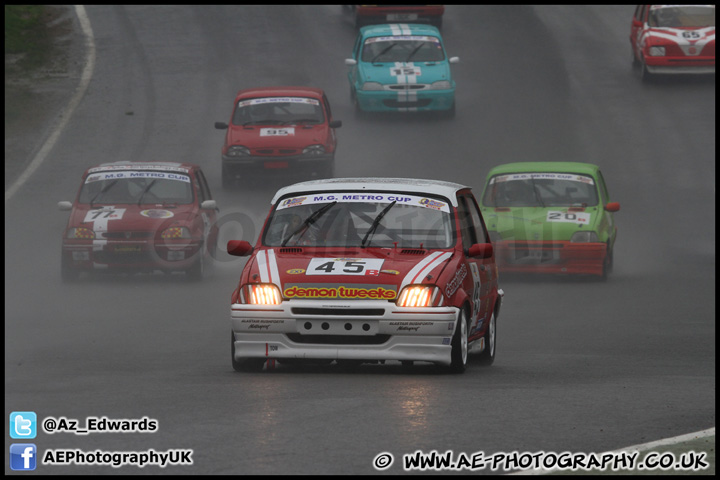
68	110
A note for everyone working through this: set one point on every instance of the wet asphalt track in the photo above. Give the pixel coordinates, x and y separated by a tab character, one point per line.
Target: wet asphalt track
582	366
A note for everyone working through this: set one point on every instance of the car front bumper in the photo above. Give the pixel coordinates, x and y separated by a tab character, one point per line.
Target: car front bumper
405	101
559	257
357	330
238	166
98	255
680	65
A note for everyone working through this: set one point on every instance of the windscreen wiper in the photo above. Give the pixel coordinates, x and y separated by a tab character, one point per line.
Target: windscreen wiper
267	121
146	190
385	50
308	221
102	191
535	191
375	223
415	50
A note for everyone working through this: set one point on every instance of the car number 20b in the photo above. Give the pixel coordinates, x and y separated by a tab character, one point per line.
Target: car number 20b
344	266
568	217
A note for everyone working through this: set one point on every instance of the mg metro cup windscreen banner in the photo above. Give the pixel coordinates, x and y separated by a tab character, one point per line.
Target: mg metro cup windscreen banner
400	198
542	176
127	174
169	168
275	100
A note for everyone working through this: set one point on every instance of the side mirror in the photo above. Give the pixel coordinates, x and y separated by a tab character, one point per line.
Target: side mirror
335	124
221	125
454	60
481	250
239	248
65	206
209	205
612	207
350	62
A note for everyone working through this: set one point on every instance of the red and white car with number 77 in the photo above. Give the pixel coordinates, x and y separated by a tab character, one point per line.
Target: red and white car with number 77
360	270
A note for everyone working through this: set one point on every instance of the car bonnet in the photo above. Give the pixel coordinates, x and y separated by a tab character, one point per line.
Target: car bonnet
277	136
129	217
690	40
353	274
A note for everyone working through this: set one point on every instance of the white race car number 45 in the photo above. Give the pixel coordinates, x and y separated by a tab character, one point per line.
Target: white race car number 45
344	266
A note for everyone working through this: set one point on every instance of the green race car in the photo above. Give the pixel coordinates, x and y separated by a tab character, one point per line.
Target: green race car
550	217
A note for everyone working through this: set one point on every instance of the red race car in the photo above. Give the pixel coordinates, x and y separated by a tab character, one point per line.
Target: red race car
367	270
667	39
131	216
275	129
373	14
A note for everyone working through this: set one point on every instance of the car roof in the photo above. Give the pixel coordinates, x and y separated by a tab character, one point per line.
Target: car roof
392	29
280	92
409	185
561	167
160	166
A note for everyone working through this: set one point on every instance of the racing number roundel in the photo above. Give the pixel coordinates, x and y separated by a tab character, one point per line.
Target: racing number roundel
344	266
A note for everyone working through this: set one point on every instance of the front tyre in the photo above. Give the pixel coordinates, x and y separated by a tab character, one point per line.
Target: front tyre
459	353
360	114
68	273
450	112
645	74
487	356
244	364
197	271
228	180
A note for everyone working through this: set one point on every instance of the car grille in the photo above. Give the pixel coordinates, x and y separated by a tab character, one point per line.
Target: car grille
520	253
124	258
338	311
277	151
544	246
127	235
339	339
407	86
396	104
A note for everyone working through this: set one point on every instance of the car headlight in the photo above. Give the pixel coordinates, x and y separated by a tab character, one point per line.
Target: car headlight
372	86
80	232
175	232
238	151
584	237
656	51
418	296
314	150
441	85
261	294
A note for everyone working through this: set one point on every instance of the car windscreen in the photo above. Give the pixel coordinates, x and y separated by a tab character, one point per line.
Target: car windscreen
682	16
351	219
278	111
403	48
138	187
540	190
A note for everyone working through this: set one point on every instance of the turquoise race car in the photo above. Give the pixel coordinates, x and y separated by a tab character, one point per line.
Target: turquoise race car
550	217
401	67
